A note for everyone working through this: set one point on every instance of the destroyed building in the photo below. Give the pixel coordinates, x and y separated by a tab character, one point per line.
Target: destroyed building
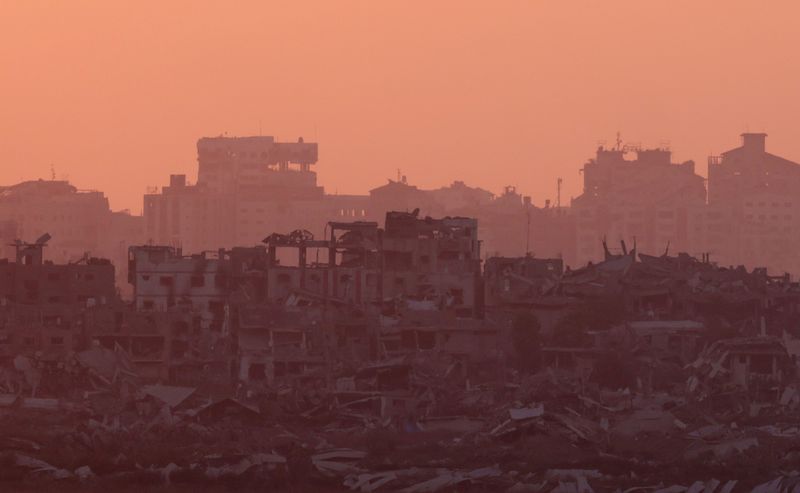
280	304
393	340
518	280
278	346
433	259
164	278
744	363
44	305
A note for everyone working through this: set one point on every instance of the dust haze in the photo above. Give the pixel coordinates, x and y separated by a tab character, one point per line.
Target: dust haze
380	247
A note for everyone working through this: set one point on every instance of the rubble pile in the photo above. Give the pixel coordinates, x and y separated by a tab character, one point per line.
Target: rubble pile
546	431
400	366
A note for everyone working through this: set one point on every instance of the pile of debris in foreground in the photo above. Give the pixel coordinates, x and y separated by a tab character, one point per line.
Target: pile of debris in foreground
410	425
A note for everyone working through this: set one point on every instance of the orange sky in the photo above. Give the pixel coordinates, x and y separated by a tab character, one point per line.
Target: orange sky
115	94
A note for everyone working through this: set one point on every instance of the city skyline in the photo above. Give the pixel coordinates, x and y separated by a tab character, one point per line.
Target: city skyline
524	89
568	192
385	246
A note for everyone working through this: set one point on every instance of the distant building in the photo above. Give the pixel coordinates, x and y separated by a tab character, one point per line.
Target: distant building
258	165
649	199
190	217
755	193
247	188
79	222
76	219
251	187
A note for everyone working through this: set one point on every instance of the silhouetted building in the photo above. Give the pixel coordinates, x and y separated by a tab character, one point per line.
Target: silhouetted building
76	219
754	195
190	217
42	303
648	198
249	186
79	221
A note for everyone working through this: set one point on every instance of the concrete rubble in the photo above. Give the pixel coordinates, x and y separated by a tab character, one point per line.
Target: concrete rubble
398	364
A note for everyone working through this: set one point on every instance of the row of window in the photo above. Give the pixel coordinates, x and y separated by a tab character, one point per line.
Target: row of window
196	281
763	204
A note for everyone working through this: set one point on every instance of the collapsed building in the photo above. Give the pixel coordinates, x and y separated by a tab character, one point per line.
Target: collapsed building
331	294
399	340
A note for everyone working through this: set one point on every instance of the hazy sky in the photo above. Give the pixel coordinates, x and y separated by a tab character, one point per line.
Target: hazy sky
115	94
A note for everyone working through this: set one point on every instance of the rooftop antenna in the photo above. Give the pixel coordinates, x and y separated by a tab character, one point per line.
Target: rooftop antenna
399	175
52	172
619	141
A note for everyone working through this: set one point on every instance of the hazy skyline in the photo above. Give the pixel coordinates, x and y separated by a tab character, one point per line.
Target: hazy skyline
114	96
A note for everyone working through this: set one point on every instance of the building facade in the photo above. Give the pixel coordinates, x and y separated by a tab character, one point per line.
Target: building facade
757	193
648	199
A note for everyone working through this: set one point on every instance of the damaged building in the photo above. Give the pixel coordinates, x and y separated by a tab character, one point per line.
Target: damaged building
43	304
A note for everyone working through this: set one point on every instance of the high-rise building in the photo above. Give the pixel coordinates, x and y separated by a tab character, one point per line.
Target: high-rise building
648	199
756	193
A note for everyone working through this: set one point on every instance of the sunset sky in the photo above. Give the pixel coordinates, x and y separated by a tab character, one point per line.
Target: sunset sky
114	95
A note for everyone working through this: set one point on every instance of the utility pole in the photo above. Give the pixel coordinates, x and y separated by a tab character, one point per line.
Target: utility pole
558	194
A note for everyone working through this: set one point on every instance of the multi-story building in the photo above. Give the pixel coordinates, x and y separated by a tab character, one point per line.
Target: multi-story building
339	284
432	259
360	264
258	164
250	187
79	221
163	279
42	304
190	217
757	193
247	187
649	199
75	219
